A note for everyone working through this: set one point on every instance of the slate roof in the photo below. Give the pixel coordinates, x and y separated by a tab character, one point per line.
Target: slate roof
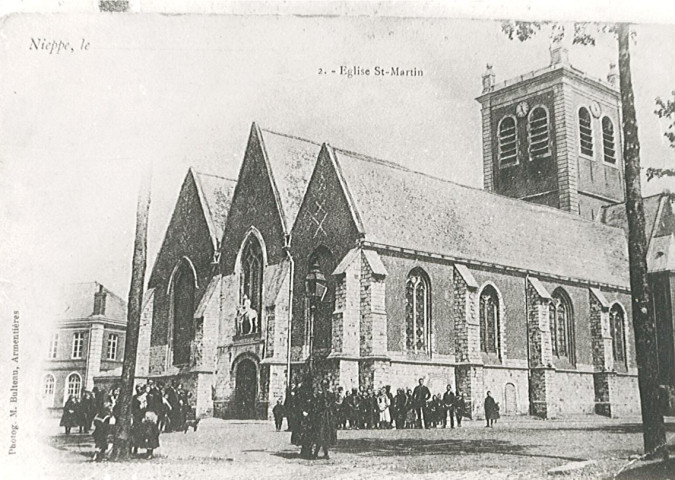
292	161
615	215
78	302
407	209
216	193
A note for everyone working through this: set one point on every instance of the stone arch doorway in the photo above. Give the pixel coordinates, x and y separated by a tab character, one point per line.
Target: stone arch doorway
246	389
510	399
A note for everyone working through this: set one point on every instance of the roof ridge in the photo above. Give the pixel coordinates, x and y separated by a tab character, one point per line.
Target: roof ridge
290	136
530	205
214	175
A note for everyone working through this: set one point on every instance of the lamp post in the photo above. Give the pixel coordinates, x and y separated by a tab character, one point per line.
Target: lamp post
315	289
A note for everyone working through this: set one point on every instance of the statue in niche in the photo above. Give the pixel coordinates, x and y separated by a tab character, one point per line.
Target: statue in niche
247	318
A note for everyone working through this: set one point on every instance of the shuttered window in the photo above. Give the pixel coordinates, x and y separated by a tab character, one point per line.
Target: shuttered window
539	144
508	149
585	132
608	145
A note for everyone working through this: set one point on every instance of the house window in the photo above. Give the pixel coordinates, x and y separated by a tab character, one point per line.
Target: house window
585	132
73	385
561	325
54	346
113	339
538	133
507	141
618	333
489	321
608	147
78	344
251	287
48	385
418	311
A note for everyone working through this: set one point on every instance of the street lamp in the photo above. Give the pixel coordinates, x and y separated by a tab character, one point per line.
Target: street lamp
315	290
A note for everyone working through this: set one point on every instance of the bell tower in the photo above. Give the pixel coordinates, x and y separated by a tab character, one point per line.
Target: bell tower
553	137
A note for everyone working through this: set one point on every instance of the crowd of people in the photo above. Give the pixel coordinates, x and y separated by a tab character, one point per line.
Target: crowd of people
369	409
155	408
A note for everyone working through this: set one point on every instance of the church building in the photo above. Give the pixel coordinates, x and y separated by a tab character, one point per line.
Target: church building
324	262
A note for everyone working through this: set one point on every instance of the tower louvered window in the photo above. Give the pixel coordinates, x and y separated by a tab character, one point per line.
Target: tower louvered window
507	141
585	132
609	150
539	133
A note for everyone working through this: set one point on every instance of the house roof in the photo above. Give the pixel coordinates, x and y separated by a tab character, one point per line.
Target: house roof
216	196
615	214
402	208
78	302
292	161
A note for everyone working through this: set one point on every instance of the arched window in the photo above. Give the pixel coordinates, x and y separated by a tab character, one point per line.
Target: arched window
561	325
321	304
489	321
73	385
418	311
538	132
585	132
508	149
252	273
48	385
608	148
183	312
618	332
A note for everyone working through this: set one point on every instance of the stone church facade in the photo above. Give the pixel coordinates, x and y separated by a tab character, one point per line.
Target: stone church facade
321	261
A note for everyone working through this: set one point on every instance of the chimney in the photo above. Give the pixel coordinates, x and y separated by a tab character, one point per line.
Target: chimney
613	75
488	79
99	301
559	55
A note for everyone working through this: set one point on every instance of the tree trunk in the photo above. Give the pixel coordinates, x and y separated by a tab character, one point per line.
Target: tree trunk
643	318
122	443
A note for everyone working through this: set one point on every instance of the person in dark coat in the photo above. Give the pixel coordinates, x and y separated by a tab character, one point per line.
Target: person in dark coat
138	408
150	433
460	408
278	412
323	421
174	403
400	408
302	428
87	411
448	407
101	431
491	410
421	395
289	408
70	418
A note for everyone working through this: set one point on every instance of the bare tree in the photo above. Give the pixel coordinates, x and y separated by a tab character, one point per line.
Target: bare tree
122	443
644	322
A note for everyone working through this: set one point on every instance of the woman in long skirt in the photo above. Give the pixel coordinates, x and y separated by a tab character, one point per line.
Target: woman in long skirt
70	417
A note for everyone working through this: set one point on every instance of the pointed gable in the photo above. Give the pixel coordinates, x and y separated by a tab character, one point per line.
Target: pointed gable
193	230
215	193
615	215
292	161
410	210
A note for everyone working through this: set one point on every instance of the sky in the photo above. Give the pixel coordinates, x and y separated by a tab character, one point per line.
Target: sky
182	90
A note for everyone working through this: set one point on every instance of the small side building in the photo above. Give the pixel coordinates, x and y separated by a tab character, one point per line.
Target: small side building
88	339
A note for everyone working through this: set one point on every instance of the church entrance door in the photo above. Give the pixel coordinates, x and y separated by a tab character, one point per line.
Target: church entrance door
510	405
246	389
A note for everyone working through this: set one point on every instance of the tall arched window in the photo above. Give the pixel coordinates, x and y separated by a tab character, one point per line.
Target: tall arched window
585	132
538	133
418	311
73	385
48	385
508	149
617	329
489	321
183	313
608	148
322	304
251	285
561	325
